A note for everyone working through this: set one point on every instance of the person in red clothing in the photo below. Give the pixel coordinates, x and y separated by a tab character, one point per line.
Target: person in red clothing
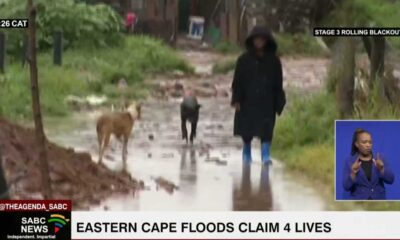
130	21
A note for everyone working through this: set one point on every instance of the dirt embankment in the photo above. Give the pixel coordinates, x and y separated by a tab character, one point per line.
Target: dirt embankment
74	175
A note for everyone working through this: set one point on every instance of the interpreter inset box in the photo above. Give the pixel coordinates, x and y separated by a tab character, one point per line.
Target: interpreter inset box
367	160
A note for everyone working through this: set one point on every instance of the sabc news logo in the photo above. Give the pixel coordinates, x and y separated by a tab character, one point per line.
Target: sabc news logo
32	225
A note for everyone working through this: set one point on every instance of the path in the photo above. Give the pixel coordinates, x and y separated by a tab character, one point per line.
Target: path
209	175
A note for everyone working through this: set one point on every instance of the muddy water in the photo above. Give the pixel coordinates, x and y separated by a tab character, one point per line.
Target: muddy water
209	175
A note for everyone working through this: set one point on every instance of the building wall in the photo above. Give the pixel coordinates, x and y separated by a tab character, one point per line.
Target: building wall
160	9
159	19
206	8
233	20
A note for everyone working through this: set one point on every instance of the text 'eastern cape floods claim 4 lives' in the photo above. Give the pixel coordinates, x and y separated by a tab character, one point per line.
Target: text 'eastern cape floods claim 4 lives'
200	227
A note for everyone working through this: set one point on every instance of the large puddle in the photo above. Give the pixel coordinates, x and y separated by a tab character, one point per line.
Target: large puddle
209	175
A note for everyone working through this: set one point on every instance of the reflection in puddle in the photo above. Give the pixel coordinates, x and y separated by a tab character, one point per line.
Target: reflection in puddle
247	199
208	176
188	170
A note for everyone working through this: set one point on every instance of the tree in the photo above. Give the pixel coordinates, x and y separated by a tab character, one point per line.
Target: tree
342	72
377	57
291	15
364	13
345	85
37	115
380	13
375	48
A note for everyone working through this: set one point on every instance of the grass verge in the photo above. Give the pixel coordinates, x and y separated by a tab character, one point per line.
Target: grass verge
289	45
304	141
227	47
84	72
224	66
299	45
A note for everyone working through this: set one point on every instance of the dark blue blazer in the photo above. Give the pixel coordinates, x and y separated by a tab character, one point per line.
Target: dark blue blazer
361	188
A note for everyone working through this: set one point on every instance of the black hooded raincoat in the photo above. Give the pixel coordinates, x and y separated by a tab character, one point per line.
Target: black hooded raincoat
257	87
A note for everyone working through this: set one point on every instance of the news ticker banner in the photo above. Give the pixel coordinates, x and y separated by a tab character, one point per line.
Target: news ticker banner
54	220
356	32
236	225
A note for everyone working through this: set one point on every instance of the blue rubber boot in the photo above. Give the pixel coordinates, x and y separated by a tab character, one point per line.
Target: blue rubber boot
247	153
265	153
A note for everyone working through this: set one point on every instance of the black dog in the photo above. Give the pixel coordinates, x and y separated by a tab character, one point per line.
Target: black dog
189	112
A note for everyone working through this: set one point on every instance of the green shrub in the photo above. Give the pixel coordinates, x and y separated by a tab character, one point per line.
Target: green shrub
299	44
304	141
288	44
55	83
307	120
153	56
133	92
136	57
227	47
365	13
314	160
14	94
373	105
303	137
224	66
86	71
82	25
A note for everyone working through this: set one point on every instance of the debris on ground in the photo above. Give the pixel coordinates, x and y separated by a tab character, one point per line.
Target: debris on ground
167	155
73	174
93	100
217	161
109	158
85	103
122	84
204	84
165	184
151	137
178	73
173	89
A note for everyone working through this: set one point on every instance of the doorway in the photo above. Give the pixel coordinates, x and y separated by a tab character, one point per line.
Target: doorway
184	13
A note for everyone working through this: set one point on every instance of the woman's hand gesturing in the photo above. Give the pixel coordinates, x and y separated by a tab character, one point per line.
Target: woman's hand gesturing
379	164
355	168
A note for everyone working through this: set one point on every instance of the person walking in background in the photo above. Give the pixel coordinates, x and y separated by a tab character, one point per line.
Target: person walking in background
365	174
130	21
257	92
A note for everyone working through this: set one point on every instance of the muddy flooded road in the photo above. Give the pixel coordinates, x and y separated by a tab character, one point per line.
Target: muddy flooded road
206	176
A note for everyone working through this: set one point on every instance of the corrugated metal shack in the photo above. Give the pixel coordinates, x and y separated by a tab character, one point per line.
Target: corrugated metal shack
222	18
158	18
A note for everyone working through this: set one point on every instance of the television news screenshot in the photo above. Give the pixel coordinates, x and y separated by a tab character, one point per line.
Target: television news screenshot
199	119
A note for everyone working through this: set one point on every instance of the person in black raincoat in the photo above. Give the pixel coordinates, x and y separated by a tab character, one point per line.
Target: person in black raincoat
257	92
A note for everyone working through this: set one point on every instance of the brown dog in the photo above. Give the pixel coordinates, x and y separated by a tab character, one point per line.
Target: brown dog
120	124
